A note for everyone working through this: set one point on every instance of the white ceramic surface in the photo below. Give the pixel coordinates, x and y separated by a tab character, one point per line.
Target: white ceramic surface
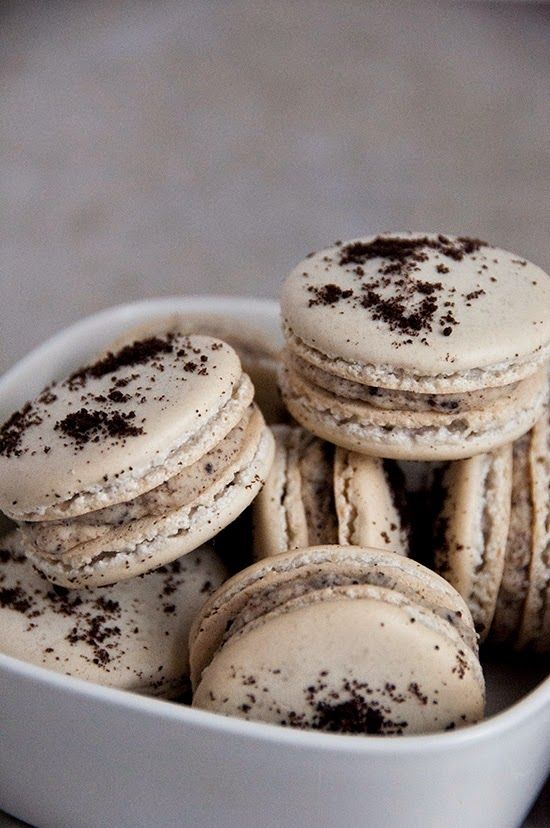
75	754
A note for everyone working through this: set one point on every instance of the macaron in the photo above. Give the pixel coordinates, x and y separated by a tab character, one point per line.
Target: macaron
493	539
472	529
317	493
134	460
387	347
132	635
259	357
340	639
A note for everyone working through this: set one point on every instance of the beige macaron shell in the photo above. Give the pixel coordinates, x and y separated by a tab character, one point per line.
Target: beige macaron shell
367	513
256	351
132	635
473	528
534	630
519	547
183	413
272	580
55	537
364	656
144	544
414	435
514	306
295	508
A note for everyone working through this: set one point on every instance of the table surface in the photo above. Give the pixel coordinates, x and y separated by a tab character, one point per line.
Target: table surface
172	148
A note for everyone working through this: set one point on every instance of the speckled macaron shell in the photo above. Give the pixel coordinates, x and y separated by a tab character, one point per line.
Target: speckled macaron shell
368	514
132	635
175	404
272	581
534	630
472	530
184	514
363	660
296	507
521	616
259	358
414	435
316	494
338	306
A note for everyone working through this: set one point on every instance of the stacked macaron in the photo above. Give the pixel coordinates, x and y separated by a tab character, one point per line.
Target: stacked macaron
387	355
133	460
112	475
416	346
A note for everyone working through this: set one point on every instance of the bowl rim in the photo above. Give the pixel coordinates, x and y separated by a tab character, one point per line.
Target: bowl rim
533	703
493	727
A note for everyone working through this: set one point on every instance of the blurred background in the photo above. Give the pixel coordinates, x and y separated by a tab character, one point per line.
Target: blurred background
155	148
169	147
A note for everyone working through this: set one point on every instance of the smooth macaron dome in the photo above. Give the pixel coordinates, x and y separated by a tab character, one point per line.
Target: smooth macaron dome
134	460
259	357
317	493
132	635
387	350
363	658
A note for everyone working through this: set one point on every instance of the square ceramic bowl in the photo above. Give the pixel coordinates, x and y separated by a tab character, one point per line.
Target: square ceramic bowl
75	754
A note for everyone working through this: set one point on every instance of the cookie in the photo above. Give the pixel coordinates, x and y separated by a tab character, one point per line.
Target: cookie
388	651
134	460
317	493
472	530
493	539
387	351
132	635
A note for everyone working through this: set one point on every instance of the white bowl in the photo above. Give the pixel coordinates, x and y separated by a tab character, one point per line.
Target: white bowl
77	754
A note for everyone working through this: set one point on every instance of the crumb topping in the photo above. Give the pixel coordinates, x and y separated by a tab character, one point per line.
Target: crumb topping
394	294
108	411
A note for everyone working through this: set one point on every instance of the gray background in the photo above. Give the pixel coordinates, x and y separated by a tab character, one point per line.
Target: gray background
165	147
155	148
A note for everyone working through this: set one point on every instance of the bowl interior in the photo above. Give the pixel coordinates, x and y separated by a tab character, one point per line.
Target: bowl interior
510	678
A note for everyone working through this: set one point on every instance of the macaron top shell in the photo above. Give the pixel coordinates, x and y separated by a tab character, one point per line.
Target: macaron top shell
111	423
420	305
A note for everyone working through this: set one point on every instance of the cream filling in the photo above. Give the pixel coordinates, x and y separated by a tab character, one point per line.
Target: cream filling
359	421
217	501
264	600
515	576
317	493
55	537
391	399
491	542
388	376
130	484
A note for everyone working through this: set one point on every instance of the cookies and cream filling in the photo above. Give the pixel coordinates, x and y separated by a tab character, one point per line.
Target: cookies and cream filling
54	538
393	399
272	597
